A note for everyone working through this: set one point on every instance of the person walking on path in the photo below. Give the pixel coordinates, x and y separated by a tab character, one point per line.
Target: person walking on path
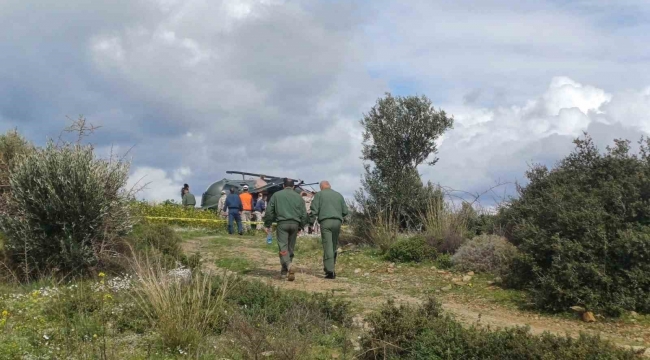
247	203
234	207
188	198
288	210
328	208
222	204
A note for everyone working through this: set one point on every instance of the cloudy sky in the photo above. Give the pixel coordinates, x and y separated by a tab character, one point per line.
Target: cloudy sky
198	87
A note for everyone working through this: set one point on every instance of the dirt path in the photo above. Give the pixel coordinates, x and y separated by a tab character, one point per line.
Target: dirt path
368	296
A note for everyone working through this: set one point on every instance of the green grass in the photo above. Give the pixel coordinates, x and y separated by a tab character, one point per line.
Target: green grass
195	233
238	265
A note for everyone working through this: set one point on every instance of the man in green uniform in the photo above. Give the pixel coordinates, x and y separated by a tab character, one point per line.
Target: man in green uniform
188	198
288	210
329	208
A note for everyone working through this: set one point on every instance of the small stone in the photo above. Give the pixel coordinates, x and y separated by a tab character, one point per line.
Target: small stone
471	273
578	309
456	280
434	268
356	271
634	314
441	272
588	317
268	353
339	250
446	288
390	270
467	278
490	282
498	279
366	274
392	265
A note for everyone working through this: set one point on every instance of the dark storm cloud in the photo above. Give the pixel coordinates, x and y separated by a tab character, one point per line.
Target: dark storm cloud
200	87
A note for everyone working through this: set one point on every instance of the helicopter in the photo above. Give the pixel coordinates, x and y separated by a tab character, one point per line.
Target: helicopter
266	184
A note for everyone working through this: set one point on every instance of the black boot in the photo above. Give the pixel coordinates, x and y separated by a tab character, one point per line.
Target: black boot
330	275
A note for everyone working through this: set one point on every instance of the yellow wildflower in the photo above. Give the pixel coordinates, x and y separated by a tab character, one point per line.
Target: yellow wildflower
94	336
5	313
101	274
108	297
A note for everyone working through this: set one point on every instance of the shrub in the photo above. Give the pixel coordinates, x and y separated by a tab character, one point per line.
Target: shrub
380	231
485	253
182	311
349	238
408	332
443	261
162	243
583	231
255	298
411	249
445	227
64	210
12	149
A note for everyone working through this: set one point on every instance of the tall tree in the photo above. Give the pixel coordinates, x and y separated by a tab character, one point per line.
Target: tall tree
400	134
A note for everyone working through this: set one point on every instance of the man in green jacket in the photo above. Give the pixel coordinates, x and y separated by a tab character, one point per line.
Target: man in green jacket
329	208
288	210
188	198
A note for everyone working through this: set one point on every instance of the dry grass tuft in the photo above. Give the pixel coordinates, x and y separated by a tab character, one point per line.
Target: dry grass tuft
445	227
182	309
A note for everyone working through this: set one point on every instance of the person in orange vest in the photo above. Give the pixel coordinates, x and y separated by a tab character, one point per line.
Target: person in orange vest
247	203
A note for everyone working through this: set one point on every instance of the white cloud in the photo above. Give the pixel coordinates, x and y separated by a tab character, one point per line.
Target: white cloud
498	144
159	186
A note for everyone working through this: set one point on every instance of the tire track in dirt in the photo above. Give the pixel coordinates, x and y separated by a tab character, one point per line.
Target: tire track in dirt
309	278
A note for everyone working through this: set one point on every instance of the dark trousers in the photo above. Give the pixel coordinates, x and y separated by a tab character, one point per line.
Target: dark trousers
233	214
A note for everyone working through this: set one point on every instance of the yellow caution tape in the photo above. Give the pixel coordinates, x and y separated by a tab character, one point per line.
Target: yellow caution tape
200	220
207	220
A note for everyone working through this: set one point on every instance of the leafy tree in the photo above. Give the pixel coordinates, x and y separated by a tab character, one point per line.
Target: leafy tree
400	134
584	230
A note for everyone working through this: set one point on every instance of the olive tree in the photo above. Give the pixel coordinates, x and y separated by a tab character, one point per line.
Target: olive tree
400	134
64	210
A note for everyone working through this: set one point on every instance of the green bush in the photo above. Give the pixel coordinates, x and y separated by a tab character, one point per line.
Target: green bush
65	209
12	149
583	231
162	242
485	253
424	333
411	249
443	261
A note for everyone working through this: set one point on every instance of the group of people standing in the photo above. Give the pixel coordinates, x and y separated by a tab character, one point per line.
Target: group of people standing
293	214
240	208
